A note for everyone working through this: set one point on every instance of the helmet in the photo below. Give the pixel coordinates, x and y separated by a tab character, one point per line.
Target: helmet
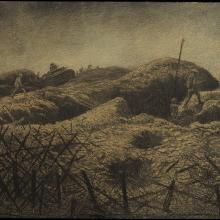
173	100
194	70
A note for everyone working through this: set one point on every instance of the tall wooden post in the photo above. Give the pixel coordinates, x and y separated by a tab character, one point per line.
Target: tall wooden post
59	190
169	196
73	204
41	198
90	191
177	69
33	188
217	197
124	192
16	180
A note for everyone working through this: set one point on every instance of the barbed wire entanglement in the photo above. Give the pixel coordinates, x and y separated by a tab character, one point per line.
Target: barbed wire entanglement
41	175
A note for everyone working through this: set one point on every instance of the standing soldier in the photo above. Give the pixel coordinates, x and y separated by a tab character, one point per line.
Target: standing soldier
192	88
89	67
173	108
81	70
18	84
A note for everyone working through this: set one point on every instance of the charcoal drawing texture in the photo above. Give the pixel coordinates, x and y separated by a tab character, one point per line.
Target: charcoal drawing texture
109	109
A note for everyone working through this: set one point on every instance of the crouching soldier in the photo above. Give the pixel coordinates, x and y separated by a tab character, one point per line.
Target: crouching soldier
192	88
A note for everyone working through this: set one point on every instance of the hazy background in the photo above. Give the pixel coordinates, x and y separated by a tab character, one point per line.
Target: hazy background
33	34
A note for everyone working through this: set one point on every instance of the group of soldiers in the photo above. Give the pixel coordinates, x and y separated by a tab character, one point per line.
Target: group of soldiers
89	67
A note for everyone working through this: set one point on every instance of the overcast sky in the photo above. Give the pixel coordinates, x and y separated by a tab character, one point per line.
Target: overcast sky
33	34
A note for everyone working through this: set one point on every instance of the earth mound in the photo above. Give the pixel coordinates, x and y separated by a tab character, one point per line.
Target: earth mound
115	153
178	153
208	112
150	87
111	112
94	87
41	106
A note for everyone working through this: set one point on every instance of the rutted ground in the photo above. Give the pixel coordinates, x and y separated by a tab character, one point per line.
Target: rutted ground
113	131
156	149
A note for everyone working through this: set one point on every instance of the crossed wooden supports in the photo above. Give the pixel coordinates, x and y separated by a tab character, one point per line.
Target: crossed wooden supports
28	163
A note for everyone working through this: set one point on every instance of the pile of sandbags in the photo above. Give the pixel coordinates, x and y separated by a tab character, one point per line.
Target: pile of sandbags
58	77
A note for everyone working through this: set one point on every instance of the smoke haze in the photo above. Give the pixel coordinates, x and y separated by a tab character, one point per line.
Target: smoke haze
75	34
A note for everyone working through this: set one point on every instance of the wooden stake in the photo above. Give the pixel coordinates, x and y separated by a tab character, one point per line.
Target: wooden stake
73	204
124	192
217	197
33	188
169	197
177	69
41	198
16	179
90	190
59	192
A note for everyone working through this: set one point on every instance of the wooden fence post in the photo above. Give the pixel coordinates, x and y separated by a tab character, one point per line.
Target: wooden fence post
33	187
73	204
216	187
4	188
169	196
41	198
16	180
59	191
124	192
90	190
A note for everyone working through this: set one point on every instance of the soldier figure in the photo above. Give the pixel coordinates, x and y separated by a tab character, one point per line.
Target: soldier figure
173	108
81	70
192	87
53	67
89	67
18	84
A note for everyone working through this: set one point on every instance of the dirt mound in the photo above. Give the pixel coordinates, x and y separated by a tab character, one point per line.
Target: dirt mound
29	78
209	111
94	86
27	109
41	106
115	153
150	170
150	87
68	106
114	111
